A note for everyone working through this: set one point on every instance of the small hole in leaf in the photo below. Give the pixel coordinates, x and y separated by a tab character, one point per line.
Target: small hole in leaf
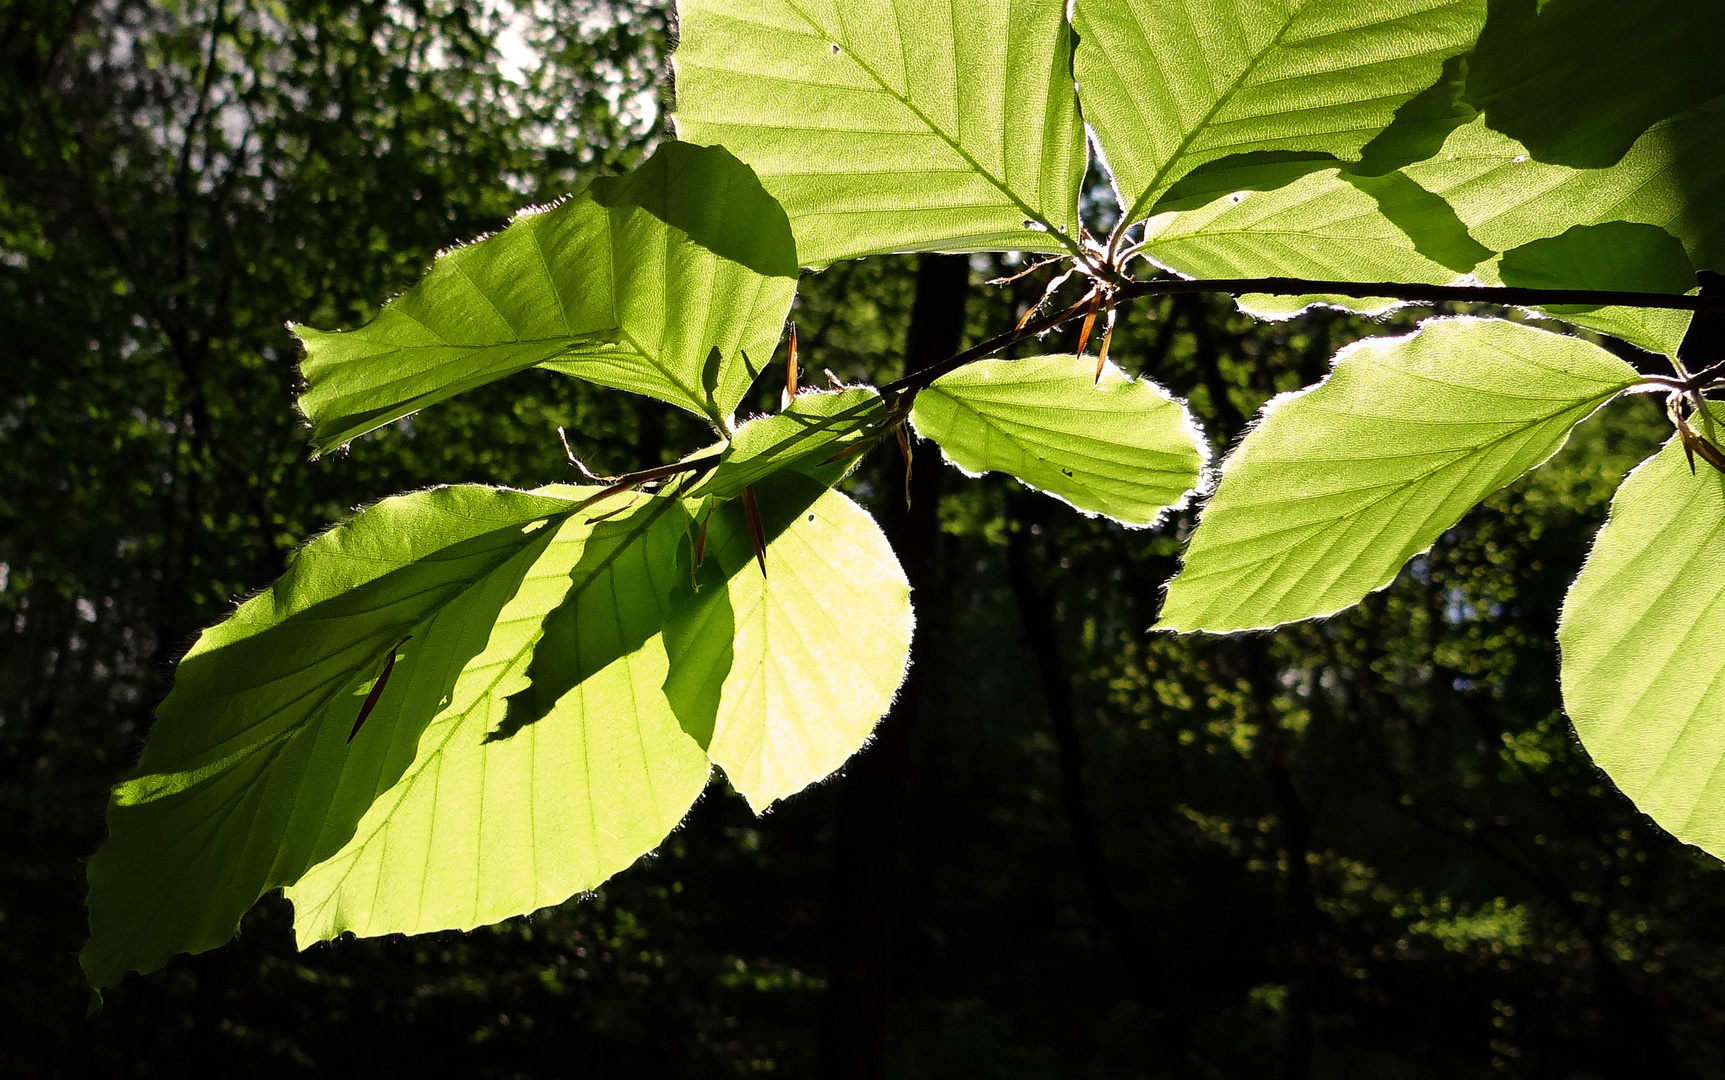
835	48
1237	198
811	517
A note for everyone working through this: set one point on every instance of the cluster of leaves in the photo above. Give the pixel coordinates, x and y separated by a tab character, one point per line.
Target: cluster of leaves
473	702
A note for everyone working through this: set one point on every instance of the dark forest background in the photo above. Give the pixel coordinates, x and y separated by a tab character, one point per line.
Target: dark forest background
1363	847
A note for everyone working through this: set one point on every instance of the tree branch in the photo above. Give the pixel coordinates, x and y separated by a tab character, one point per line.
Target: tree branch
1412	292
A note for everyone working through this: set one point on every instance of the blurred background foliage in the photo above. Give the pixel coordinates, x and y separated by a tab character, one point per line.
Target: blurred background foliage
1368	846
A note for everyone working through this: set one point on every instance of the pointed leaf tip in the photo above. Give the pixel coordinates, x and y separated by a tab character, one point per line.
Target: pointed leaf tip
248	779
1337	485
619	285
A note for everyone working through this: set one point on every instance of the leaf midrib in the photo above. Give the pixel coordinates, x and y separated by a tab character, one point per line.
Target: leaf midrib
277	741
1031	214
1215	107
424	758
1390	488
1028	451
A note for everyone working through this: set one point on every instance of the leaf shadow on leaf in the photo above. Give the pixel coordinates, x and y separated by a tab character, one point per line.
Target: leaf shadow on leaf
799	437
1416	132
1422	124
1429	221
633	581
1426	219
745	225
1256	170
701	626
699	636
342	780
243	661
1610	255
1578	81
616	603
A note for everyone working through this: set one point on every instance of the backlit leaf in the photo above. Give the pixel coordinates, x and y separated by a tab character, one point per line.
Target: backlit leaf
783	675
1115	446
893	125
1640	640
1508	200
672	281
1325	225
503	814
1338	485
248	778
813	427
1172	84
1609	255
1624	227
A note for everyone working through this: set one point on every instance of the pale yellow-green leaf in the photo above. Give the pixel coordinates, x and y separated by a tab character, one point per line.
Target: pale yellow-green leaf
1170	85
496	818
1340	484
893	125
1115	446
783	675
1643	673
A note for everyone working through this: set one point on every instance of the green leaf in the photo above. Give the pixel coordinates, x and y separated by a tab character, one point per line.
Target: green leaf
503	813
1116	446
248	777
1609	255
782	676
813	427
1640	638
662	282
1325	225
1507	200
1341	483
1169	85
1300	217
1578	81
893	125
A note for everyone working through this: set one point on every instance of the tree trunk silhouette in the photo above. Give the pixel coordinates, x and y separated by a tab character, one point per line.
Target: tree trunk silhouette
868	920
1139	955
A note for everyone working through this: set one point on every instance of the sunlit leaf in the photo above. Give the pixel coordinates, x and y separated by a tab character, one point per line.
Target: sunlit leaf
783	675
248	777
1338	485
1170	85
1114	446
1324	226
1610	255
672	281
1507	200
1625	227
814	427
502	814
893	125
1640	641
